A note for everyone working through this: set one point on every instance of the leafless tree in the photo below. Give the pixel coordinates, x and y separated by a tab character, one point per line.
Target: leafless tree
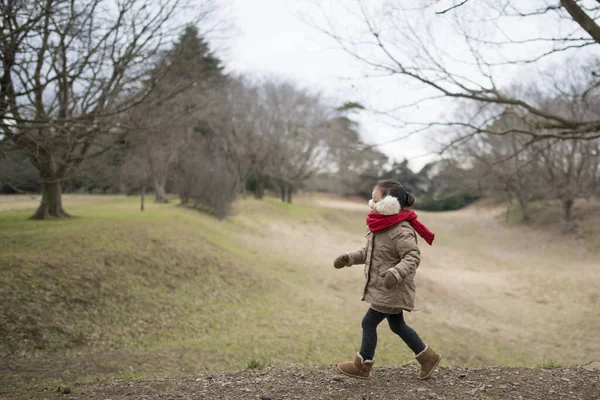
205	180
162	125
236	124
299	135
444	51
134	176
269	131
70	69
502	166
568	170
551	170
241	127
266	146
157	135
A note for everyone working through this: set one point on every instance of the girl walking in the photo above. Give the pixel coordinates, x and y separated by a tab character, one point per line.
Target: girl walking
391	257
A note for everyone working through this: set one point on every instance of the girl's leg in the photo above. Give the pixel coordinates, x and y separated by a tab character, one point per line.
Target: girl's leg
369	339
410	337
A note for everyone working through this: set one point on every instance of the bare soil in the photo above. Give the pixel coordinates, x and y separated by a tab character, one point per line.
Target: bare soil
326	383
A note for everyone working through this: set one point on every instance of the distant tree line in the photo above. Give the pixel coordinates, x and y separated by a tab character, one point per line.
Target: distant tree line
123	100
102	100
518	82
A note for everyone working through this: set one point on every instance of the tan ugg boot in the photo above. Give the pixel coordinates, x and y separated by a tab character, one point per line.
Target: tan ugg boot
358	368
428	359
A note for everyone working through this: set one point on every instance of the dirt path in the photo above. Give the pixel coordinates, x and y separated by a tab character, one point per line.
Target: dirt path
325	383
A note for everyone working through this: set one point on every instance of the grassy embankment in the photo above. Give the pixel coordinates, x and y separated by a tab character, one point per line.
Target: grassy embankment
117	292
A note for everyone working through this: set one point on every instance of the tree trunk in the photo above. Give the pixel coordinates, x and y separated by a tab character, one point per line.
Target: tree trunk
569	224
289	189
584	20
282	190
524	209
259	193
51	206
184	193
160	195
142	198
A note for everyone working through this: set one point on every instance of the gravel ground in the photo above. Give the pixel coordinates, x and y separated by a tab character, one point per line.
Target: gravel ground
581	382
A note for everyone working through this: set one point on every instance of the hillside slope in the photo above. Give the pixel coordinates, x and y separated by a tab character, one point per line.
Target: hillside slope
116	293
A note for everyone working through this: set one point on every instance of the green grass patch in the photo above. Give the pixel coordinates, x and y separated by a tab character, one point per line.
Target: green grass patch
118	292
256	364
550	364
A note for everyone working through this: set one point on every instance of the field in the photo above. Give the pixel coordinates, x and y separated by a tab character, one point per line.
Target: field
116	292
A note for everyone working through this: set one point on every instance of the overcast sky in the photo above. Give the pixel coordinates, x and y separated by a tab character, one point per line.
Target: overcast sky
271	38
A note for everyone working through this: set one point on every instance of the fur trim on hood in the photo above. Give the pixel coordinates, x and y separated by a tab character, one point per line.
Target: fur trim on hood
388	206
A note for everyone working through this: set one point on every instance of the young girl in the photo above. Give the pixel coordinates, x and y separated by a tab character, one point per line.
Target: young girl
391	258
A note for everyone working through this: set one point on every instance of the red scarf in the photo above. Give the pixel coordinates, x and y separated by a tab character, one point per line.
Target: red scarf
378	222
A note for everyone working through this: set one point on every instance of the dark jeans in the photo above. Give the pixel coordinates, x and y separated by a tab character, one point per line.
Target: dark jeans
369	339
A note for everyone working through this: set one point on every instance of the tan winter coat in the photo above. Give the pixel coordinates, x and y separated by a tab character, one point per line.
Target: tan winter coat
395	248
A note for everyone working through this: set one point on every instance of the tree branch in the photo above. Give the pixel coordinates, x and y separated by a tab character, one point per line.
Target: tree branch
453	7
584	20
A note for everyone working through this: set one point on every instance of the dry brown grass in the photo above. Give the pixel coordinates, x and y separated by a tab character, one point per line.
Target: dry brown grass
492	293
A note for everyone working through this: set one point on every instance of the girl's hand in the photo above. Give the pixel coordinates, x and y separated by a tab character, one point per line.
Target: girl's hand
342	261
390	281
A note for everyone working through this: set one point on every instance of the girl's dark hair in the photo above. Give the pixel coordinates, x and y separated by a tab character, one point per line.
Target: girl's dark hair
391	187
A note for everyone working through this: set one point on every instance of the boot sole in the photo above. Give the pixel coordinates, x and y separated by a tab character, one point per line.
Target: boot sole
432	369
364	378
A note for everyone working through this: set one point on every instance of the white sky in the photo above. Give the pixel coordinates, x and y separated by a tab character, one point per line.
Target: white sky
272	39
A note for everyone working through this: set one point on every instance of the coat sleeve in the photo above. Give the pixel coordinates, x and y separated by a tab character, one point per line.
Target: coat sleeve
410	256
358	257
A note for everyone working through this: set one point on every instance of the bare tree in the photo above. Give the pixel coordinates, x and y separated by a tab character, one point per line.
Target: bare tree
265	144
552	170
205	180
235	124
299	136
568	171
265	131
469	50
134	176
502	165
69	69
164	122
240	127
249	123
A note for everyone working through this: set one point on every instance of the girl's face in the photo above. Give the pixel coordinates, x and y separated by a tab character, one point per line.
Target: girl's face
377	197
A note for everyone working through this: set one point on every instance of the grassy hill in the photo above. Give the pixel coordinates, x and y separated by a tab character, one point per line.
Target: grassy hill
117	292
120	293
